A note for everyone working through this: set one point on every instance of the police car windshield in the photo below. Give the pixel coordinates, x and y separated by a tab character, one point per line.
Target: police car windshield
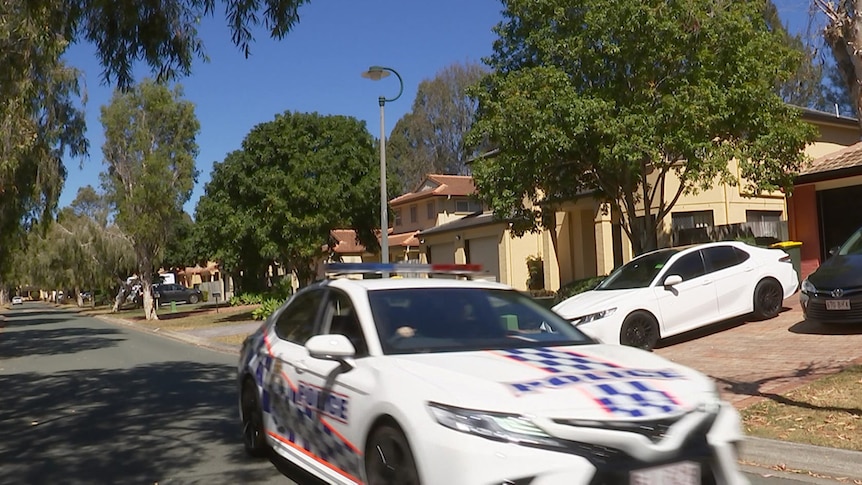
412	320
637	273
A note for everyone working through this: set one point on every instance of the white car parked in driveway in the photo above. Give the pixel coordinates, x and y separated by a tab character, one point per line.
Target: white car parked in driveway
415	380
674	290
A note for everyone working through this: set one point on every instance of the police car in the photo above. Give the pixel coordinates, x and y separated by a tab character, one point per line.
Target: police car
443	380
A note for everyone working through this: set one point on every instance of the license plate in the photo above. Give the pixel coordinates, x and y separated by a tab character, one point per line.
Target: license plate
837	304
685	473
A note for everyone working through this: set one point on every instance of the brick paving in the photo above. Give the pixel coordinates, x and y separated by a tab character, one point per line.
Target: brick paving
752	360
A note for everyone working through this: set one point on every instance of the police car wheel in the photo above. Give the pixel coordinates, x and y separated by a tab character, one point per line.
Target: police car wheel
639	330
388	459
253	438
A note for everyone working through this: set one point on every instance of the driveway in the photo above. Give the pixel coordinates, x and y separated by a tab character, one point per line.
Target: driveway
752	359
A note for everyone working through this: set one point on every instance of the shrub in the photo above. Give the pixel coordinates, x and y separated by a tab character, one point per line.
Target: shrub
578	286
266	308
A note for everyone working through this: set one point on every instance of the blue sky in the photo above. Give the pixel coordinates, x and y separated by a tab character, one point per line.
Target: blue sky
315	68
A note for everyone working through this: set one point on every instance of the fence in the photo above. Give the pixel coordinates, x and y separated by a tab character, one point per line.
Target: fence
761	233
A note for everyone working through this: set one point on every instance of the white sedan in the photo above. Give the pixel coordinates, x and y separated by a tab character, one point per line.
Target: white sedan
17	300
674	290
445	381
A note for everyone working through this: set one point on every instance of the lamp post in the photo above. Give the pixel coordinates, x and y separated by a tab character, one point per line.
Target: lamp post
376	73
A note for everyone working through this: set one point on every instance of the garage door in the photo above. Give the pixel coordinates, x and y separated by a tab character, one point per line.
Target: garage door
443	253
840	214
485	251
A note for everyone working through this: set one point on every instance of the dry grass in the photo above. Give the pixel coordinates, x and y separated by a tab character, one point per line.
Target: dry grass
826	412
187	317
232	339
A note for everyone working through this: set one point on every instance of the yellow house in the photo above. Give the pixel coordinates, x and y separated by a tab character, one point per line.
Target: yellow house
587	239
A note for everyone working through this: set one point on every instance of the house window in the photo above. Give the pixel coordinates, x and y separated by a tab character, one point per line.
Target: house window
764	224
691	227
414	213
432	212
467	205
397	217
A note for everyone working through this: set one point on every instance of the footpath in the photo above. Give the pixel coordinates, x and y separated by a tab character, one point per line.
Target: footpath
768	458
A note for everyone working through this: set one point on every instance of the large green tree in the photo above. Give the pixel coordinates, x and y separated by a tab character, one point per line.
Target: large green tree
430	138
276	200
609	98
150	152
40	115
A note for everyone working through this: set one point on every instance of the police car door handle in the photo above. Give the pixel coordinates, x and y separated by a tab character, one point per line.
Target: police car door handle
299	366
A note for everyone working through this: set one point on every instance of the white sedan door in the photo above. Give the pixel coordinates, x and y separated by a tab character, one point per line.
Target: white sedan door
689	304
732	271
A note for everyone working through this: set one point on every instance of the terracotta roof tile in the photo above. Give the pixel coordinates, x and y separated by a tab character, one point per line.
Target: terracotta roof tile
847	157
346	241
457	185
405	239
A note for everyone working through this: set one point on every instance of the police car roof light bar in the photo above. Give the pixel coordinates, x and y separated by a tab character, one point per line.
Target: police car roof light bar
336	269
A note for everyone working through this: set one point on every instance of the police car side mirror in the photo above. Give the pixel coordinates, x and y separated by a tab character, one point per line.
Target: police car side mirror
335	347
672	280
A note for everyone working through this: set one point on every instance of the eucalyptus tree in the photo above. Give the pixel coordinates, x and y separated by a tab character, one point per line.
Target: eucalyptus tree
610	98
843	36
430	138
150	152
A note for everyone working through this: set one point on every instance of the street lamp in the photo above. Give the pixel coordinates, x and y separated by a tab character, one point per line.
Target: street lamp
376	73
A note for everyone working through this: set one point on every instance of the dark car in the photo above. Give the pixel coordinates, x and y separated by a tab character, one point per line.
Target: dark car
833	293
169	292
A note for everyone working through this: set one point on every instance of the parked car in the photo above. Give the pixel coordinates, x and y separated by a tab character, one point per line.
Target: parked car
674	290
833	292
17	300
444	381
170	292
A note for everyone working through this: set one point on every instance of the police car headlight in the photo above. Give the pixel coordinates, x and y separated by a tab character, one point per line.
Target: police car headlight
808	287
593	316
495	426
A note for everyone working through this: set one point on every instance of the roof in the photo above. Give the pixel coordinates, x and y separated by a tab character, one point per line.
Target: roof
346	241
439	185
826	117
475	219
841	163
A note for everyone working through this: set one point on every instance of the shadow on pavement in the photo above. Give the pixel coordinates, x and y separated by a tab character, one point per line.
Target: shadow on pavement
712	329
140	425
56	341
812	328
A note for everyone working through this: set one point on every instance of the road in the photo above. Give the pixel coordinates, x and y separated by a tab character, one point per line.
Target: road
85	401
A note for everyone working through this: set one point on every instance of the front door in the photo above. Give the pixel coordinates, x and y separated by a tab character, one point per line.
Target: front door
692	302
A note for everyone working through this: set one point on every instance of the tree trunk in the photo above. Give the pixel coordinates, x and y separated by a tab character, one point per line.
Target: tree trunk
79	300
149	302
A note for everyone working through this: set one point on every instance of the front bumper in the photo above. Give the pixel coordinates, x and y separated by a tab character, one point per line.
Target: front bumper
814	308
447	456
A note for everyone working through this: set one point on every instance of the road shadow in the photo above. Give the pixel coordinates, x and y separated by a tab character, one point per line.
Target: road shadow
147	424
56	341
814	328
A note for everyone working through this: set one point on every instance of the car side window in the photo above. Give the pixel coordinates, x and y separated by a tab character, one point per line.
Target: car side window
296	322
722	257
689	266
340	318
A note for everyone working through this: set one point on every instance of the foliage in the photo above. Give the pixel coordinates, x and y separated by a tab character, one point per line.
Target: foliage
536	272
39	120
246	299
842	35
577	286
150	153
296	178
182	248
430	138
266	308
612	97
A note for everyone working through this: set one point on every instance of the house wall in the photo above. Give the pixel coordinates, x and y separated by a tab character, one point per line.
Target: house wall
444	210
831	138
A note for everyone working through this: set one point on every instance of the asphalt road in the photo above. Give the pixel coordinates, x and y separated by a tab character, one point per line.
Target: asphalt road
85	401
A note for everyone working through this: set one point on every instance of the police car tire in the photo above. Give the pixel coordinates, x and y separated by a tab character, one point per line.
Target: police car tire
388	459
253	434
640	330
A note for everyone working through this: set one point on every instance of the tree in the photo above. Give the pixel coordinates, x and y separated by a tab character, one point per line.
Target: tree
612	97
39	121
39	114
150	152
842	35
430	138
295	179
182	248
